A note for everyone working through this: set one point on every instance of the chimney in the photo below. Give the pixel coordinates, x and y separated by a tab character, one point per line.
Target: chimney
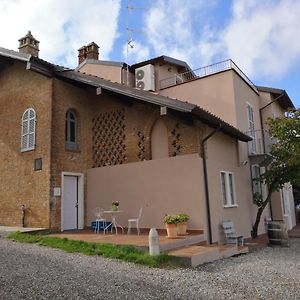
28	44
91	51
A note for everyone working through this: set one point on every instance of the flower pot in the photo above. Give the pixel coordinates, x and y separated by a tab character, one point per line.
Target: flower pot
182	228
171	230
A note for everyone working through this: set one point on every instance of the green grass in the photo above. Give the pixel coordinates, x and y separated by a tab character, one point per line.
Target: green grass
126	253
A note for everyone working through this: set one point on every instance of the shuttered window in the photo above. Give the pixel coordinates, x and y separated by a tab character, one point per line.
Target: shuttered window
228	189
28	130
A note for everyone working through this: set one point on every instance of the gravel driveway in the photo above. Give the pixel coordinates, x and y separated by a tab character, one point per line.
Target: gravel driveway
35	272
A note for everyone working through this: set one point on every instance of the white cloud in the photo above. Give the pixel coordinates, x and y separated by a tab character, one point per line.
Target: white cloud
263	37
138	52
61	26
174	28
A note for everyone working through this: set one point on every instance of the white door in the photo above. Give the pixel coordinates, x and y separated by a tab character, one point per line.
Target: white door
70	203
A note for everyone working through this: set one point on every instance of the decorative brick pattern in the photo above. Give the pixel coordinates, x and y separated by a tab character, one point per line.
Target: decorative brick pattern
141	146
109	139
176	140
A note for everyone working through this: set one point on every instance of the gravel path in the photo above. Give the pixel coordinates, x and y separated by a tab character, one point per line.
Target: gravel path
35	272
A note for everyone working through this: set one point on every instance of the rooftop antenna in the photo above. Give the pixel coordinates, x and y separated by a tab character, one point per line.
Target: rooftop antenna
129	31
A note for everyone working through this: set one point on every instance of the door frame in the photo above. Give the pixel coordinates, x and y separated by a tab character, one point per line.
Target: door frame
80	195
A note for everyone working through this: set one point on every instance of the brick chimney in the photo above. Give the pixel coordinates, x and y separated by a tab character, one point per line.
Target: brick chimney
91	51
28	44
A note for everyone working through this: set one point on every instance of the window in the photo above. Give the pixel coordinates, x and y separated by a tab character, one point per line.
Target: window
228	190
28	130
71	130
255	174
251	128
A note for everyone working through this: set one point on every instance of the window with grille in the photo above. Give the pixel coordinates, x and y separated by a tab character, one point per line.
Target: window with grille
251	129
28	130
228	189
71	130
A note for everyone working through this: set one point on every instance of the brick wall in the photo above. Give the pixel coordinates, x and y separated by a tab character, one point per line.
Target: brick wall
139	120
20	184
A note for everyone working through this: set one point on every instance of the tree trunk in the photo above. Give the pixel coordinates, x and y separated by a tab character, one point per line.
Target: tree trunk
258	215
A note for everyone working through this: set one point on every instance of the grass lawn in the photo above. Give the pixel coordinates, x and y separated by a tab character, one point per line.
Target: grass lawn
126	253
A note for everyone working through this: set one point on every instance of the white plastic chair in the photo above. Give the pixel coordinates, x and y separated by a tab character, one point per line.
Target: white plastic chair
137	220
230	234
99	220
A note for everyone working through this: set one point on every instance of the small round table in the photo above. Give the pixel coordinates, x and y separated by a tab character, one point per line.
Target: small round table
114	222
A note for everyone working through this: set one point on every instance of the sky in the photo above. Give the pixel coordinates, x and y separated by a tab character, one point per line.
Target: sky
261	37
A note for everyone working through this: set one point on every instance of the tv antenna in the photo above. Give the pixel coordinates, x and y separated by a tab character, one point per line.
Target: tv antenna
129	32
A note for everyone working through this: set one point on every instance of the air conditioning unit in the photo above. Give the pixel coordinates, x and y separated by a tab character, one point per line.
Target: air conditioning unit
144	78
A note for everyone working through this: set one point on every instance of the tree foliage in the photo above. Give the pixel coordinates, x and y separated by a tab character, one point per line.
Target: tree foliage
285	167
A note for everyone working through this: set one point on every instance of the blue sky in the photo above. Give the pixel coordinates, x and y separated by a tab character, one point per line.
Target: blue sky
262	37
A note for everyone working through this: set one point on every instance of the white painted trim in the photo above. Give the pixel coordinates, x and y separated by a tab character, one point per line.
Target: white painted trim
80	198
227	189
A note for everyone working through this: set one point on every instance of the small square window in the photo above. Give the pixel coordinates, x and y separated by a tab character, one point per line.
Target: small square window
38	163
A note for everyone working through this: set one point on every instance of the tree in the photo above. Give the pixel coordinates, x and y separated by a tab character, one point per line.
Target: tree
285	166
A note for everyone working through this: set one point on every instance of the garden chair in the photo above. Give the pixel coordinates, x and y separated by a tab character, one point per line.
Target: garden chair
137	220
100	221
231	236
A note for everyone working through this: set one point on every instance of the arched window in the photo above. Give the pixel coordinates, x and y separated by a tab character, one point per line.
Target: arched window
159	140
28	130
71	130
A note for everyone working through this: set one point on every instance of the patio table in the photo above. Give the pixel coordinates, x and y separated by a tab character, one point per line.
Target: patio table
114	222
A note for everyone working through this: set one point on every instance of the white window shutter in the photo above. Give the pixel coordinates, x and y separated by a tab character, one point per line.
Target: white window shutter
28	130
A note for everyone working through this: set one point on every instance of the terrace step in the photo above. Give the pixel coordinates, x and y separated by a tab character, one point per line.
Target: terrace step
180	242
200	254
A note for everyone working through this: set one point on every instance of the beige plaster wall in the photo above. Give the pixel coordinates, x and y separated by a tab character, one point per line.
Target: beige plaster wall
112	73
168	185
214	93
222	155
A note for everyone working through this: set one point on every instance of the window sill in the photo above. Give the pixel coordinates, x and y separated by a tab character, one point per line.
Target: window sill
230	206
72	147
27	150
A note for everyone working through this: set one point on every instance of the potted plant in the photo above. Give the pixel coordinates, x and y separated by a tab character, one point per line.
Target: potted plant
115	206
182	223
171	222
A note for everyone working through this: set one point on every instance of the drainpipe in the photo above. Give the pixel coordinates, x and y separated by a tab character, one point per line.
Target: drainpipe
263	133
206	181
261	120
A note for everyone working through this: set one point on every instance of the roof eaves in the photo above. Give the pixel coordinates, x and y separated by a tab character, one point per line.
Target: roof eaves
15	55
214	121
175	104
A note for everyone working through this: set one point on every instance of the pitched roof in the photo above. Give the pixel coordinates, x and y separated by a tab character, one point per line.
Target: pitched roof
165	59
75	77
193	110
285	102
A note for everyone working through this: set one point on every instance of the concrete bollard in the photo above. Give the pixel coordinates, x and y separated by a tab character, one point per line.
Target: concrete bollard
153	242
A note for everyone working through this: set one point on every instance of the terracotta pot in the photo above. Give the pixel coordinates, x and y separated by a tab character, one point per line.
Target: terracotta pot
171	230
182	228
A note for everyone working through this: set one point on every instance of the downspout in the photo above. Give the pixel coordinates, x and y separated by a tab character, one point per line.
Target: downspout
206	182
261	120
263	132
